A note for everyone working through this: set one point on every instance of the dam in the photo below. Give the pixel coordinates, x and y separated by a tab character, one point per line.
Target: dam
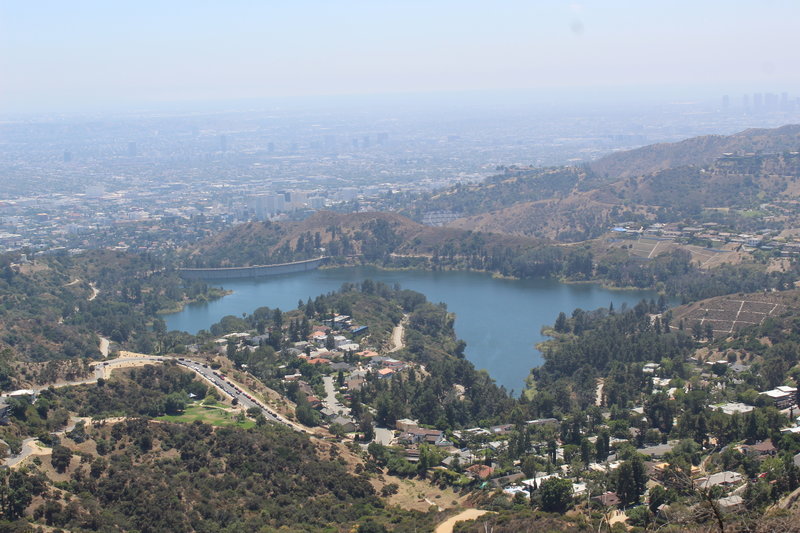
250	272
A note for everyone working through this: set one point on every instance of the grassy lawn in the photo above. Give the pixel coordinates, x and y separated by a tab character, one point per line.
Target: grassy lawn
208	415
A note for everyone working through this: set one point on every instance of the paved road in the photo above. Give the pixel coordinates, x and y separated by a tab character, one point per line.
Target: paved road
217	379
231	389
29	446
331	402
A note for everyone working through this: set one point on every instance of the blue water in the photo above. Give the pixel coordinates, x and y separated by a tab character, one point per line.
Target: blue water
499	319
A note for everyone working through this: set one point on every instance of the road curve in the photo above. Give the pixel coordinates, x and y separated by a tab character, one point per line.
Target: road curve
448	525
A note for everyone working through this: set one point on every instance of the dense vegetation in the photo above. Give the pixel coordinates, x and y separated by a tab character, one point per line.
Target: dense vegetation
54	308
149	476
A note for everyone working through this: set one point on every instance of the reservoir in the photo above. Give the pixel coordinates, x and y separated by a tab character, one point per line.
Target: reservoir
500	319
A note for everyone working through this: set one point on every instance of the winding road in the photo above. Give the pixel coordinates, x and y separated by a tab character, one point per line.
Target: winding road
103	369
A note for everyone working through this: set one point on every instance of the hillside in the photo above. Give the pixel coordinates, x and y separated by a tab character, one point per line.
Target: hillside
665	183
374	236
697	151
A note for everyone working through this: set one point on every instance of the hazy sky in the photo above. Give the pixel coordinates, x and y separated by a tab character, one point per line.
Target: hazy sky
70	54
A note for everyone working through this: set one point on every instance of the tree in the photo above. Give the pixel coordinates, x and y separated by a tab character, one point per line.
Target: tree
372	527
561	325
556	494
631	481
365	427
60	458
586	451
602	446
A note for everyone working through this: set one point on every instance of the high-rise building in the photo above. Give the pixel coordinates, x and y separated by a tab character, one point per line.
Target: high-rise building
67	156
758	101
131	149
771	101
726	102
223	143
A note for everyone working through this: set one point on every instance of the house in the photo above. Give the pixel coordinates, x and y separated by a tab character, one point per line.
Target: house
783	397
507	480
480	471
257	340
404	424
344	367
385	372
514	490
359	330
761	448
724	479
504	429
731	504
328	413
349	347
340	340
314	402
464	457
355	384
542	422
348	425
427	436
650	368
536	481
733	408
318	338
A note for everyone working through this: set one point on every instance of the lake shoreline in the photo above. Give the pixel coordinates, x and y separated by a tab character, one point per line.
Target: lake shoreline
500	319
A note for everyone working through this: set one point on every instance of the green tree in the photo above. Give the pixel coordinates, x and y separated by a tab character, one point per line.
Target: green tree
556	494
60	458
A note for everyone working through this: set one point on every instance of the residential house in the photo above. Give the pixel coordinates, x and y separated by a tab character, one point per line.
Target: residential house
421	435
504	429
733	408
347	423
724	479
404	424
543	422
761	449
783	397
731	504
480	471
354	384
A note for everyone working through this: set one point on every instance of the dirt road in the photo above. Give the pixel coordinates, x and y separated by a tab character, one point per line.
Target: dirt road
397	336
448	525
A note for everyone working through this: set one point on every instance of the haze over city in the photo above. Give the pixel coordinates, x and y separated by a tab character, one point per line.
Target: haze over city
94	55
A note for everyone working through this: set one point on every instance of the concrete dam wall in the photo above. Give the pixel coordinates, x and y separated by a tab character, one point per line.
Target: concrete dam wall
258	271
